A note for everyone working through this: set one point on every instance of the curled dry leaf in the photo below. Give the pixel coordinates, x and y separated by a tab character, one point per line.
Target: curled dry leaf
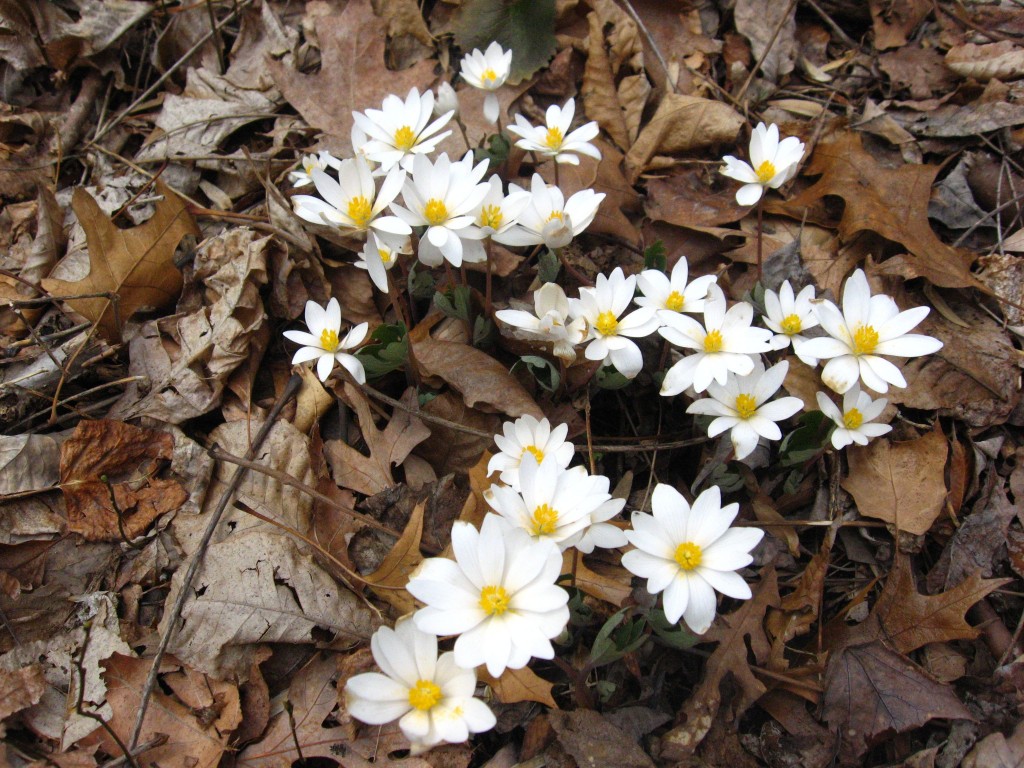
999	61
28	463
393	574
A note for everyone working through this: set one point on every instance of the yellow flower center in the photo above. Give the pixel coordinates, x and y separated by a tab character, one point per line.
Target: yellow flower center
553	139
405	139
488	76
746	406
675	301
713	342
865	339
791	324
328	340
309	165
688	555
494	600
424	695
765	171
853	418
556	215
537	453
545	520
607	324
386	256
491	216
359	211
435	212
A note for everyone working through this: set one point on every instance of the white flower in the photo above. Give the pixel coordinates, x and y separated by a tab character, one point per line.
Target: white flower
498	213
867	327
447	100
853	424
380	253
322	343
353	201
549	218
527	435
772	163
488	71
789	317
551	323
323	161
601	306
723	344
600	532
400	130
499	595
690	553
444	197
554	139
432	696
744	406
672	295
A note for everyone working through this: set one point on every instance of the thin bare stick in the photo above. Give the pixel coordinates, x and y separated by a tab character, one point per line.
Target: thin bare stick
650	41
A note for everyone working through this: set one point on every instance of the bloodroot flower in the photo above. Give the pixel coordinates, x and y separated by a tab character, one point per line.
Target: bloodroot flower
323	344
688	553
853	424
528	435
399	130
772	163
554	139
488	71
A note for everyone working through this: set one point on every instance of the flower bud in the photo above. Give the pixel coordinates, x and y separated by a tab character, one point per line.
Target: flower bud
446	100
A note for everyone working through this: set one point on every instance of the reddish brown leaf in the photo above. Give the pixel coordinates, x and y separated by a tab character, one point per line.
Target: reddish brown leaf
20	689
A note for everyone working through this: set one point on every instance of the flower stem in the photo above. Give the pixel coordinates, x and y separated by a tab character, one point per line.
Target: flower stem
488	306
396	301
760	236
557	183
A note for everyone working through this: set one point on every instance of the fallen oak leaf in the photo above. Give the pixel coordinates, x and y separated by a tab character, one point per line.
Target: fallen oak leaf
517	685
393	573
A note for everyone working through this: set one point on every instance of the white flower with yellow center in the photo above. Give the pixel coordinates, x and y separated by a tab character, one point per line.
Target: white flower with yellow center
672	294
688	553
380	253
772	163
498	595
499	212
303	176
445	197
789	316
854	422
723	345
528	436
353	202
399	130
323	344
868	326
744	406
548	217
432	696
488	71
554	139
549	322
608	330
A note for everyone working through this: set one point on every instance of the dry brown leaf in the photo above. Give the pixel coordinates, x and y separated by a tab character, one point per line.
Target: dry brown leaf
449	448
614	591
997	751
799	610
894	22
516	685
999	61
20	688
135	264
685	198
28	463
400	562
901	483
593	739
600	96
771	29
312	402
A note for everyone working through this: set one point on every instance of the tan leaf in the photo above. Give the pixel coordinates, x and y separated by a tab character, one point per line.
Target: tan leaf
519	685
28	463
894	22
600	97
584	733
999	61
997	751
400	562
614	591
312	402
771	30
901	483
136	264
20	688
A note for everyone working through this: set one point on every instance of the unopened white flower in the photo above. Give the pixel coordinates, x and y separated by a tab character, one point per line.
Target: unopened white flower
854	423
553	139
789	316
499	212
445	197
303	176
353	201
447	100
772	163
688	553
399	130
607	328
672	295
528	435
488	70
380	253
549	218
600	532
432	696
550	321
724	344
323	344
868	326
499	596
745	407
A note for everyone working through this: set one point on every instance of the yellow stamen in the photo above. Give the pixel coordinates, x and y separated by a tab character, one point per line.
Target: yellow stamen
556	215
488	76
538	454
386	256
688	555
545	520
309	167
494	600
675	301
435	212
765	171
853	418
328	340
746	406
713	342
791	324
553	139
360	211
405	139
607	324
491	216
424	695
865	339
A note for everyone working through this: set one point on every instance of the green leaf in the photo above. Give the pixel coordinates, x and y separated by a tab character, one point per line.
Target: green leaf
548	266
496	153
806	441
543	370
673	635
421	284
526	27
387	351
608	377
614	641
484	333
654	256
455	302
